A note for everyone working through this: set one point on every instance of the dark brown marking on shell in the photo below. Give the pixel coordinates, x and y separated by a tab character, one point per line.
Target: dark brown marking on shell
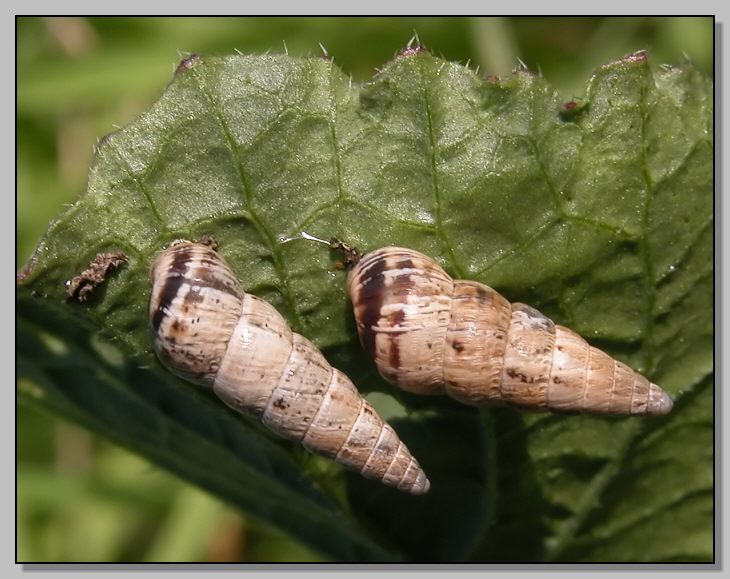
483	295
458	346
194	296
174	278
513	373
281	404
537	320
395	319
370	299
403	285
181	262
209	262
203	276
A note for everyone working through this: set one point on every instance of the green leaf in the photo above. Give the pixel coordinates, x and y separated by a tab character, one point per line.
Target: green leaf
90	382
600	215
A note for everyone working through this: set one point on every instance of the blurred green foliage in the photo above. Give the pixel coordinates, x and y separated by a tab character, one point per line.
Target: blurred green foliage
82	499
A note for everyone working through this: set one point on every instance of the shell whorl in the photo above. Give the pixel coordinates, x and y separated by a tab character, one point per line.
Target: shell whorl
208	331
430	334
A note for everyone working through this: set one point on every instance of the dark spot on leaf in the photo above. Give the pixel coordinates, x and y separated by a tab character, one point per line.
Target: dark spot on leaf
186	64
572	109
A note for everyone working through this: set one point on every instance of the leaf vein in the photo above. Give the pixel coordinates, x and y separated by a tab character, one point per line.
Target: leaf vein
433	164
124	165
245	188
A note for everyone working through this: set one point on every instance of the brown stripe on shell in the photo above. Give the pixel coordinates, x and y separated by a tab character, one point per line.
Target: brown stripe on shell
208	276
174	280
369	301
401	287
395	319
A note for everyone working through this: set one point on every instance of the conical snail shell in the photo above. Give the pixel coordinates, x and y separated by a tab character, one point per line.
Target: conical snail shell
430	334
208	331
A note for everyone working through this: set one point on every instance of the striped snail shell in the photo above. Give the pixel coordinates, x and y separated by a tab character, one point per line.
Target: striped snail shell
208	331
430	334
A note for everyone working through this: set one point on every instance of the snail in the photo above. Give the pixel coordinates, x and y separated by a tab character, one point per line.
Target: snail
430	334
209	332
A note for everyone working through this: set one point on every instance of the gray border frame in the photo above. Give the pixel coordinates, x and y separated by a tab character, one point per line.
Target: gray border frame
376	7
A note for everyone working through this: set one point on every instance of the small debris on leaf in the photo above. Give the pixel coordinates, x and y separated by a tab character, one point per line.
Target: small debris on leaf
187	63
210	241
103	141
83	284
638	56
572	108
412	51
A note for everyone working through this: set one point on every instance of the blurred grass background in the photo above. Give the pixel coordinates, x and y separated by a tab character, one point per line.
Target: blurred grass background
82	499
